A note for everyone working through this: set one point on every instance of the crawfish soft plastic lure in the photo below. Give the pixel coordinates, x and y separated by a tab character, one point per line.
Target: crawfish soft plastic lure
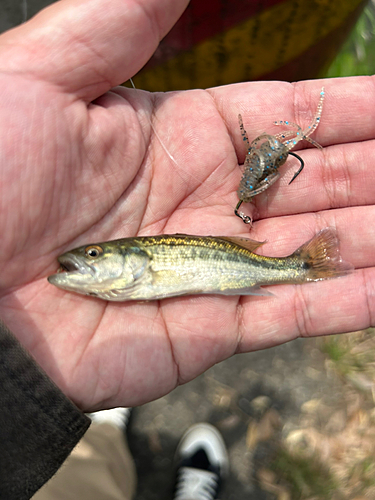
267	153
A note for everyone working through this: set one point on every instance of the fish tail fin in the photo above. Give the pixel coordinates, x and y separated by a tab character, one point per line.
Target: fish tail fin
321	258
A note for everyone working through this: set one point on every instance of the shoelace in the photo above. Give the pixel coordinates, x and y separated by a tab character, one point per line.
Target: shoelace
196	484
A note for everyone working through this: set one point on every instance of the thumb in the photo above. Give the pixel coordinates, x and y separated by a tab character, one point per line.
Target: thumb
87	47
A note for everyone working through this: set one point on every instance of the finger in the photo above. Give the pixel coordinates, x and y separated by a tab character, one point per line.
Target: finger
334	177
336	306
86	47
355	229
338	176
348	109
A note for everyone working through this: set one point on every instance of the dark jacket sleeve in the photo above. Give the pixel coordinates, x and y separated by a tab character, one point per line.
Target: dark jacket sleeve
39	425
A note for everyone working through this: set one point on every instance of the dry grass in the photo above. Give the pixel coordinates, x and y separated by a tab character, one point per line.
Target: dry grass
333	460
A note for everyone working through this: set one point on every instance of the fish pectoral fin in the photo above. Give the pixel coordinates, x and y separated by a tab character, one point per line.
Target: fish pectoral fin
138	263
137	277
251	245
127	291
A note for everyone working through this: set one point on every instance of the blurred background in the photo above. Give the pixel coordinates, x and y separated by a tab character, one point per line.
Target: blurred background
298	419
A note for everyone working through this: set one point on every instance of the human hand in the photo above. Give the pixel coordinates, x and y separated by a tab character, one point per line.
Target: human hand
81	164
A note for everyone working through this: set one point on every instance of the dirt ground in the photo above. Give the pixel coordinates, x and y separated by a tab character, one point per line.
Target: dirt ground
282	412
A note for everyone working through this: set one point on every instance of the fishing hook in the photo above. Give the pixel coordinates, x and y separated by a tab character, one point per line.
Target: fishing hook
246	219
300	168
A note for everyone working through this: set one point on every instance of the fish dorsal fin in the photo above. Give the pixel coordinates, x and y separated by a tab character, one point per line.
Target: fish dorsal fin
247	243
251	245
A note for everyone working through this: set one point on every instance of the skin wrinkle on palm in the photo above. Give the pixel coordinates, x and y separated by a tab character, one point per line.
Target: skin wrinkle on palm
64	163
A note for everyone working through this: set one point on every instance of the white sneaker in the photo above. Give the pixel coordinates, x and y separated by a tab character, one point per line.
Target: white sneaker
202	463
119	417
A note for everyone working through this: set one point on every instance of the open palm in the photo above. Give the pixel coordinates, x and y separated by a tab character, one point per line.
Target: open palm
81	163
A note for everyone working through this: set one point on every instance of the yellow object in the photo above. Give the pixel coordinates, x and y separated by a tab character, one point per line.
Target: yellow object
294	38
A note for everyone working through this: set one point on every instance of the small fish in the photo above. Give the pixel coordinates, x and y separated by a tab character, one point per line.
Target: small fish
267	153
156	267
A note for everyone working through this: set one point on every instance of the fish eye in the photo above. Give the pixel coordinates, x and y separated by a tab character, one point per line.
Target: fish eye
93	251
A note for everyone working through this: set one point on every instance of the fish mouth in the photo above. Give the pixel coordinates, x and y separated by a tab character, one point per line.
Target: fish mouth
72	265
68	266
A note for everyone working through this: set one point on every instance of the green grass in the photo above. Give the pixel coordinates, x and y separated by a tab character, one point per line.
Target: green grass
334	348
346	353
357	55
306	477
